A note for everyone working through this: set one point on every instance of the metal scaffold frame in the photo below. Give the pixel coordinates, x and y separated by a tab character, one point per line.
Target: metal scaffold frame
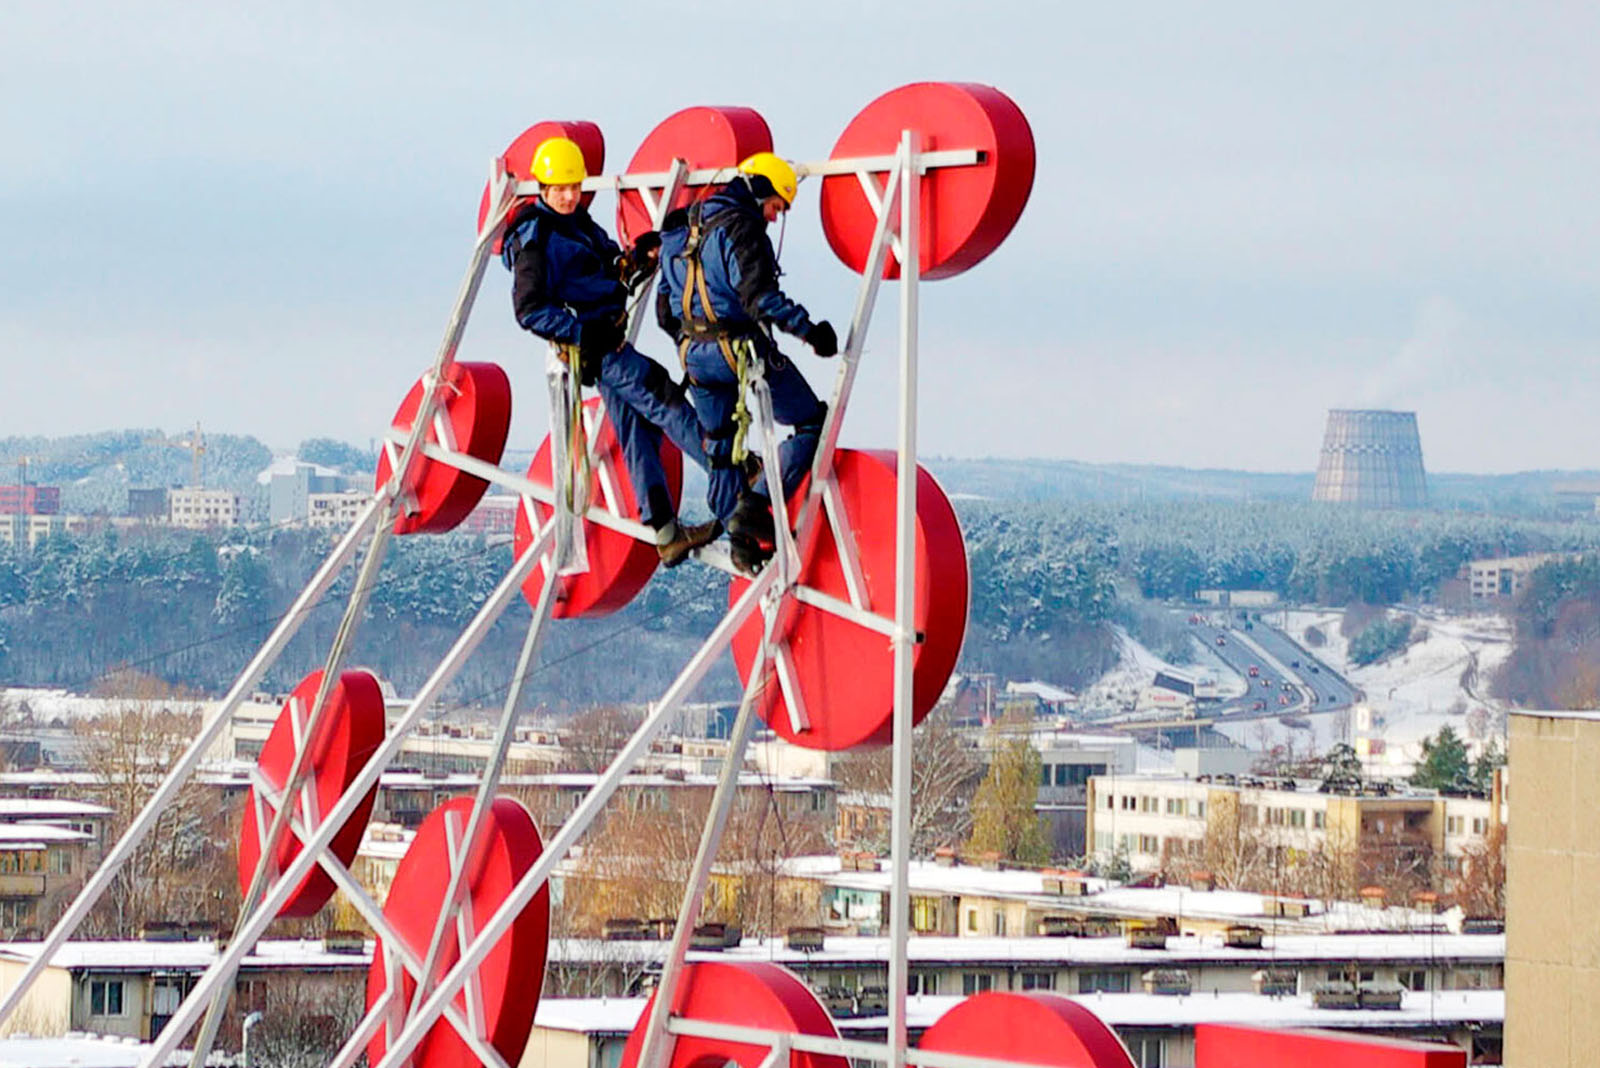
895	201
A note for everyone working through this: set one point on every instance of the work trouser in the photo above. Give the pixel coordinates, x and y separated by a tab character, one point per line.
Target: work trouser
715	389
643	402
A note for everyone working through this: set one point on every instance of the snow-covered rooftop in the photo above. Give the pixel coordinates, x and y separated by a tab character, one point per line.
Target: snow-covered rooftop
14	808
616	1016
927	949
142	956
77	1050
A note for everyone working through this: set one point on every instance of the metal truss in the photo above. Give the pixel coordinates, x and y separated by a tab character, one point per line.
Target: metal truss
404	1023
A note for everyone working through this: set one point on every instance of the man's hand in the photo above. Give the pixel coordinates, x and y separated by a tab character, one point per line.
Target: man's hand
640	261
822	339
597	338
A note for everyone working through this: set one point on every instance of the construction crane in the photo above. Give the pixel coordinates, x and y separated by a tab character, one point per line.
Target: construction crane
196	447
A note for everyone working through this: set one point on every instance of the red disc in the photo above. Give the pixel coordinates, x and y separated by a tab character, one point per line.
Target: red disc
750	994
848	706
519	157
619	565
474	416
966	211
1033	1028
506	986
703	138
351	730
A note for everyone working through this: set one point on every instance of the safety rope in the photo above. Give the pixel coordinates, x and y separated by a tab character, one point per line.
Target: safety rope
580	468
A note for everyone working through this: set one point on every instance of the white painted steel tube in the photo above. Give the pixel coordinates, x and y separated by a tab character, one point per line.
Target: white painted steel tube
146	820
905	592
577	823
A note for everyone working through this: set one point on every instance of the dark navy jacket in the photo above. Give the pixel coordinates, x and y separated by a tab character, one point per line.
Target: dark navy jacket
741	268
564	269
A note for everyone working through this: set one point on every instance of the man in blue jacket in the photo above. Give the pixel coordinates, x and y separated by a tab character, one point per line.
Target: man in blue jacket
571	287
718	296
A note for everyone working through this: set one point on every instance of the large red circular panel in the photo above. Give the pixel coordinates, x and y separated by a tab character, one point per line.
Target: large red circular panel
507	984
473	417
844	671
750	994
350	731
966	211
704	138
1032	1028
619	565
519	157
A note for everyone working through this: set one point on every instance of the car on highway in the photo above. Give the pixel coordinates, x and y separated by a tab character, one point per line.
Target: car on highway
1258	706
1254	670
1283	698
1288	686
1294	663
1222	639
1266	682
1316	669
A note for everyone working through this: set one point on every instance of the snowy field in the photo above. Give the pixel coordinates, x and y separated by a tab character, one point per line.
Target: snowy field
1442	678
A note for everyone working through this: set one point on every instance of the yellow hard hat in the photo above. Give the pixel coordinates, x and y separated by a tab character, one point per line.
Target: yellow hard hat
558	161
775	170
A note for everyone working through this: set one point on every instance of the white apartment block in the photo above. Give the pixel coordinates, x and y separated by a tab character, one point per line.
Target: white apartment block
335	511
198	508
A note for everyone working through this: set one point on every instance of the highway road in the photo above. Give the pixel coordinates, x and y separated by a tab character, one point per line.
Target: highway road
1288	677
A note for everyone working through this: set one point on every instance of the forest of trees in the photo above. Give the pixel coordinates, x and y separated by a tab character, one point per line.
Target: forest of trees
191	607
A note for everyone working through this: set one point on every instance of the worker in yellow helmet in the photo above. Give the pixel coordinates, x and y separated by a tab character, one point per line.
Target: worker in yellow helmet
719	298
570	286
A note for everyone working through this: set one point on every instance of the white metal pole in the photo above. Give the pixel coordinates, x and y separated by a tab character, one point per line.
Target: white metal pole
146	820
657	1049
905	592
223	969
636	747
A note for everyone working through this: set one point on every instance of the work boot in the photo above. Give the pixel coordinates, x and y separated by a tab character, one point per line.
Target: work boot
674	542
752	520
751	535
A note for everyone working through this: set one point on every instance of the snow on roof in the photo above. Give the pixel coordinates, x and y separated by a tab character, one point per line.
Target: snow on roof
1286	950
196	956
78	1050
17	807
1042	690
617	1016
15	835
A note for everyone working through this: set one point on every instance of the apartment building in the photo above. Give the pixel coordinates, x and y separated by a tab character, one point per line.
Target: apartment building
197	508
1504	576
1275	828
335	511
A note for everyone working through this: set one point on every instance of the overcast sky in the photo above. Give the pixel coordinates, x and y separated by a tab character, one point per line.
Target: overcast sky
257	215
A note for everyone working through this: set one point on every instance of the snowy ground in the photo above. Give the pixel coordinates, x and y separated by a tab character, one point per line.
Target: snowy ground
1118	689
1442	678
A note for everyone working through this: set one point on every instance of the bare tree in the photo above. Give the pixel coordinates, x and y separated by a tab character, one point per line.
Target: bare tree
1481	887
945	772
595	736
184	870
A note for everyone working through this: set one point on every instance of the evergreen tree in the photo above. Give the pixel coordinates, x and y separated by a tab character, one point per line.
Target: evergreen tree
1342	770
1444	764
1484	767
1004	821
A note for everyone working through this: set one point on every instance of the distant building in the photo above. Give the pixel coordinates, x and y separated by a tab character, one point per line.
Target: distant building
1503	577
335	511
1161	821
495	514
24	531
148	503
197	508
30	500
1372	459
292	485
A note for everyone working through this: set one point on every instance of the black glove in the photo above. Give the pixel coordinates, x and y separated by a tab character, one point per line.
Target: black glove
597	338
822	339
638	262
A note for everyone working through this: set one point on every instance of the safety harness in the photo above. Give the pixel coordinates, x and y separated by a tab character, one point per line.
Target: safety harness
737	350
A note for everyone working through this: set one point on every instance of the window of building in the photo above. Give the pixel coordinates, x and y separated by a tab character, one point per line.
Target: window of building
1174	806
1102	842
972	920
16	912
924	914
1319	820
1129	802
1044	774
1103	982
1146	1052
1199	810
1413	979
60	862
1038	980
1297	817
1149	843
1454	824
1111	801
999	924
105	997
976	983
1149	804
1480	826
923	983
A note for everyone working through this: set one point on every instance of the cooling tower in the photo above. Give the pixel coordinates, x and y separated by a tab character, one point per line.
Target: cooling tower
1372	459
